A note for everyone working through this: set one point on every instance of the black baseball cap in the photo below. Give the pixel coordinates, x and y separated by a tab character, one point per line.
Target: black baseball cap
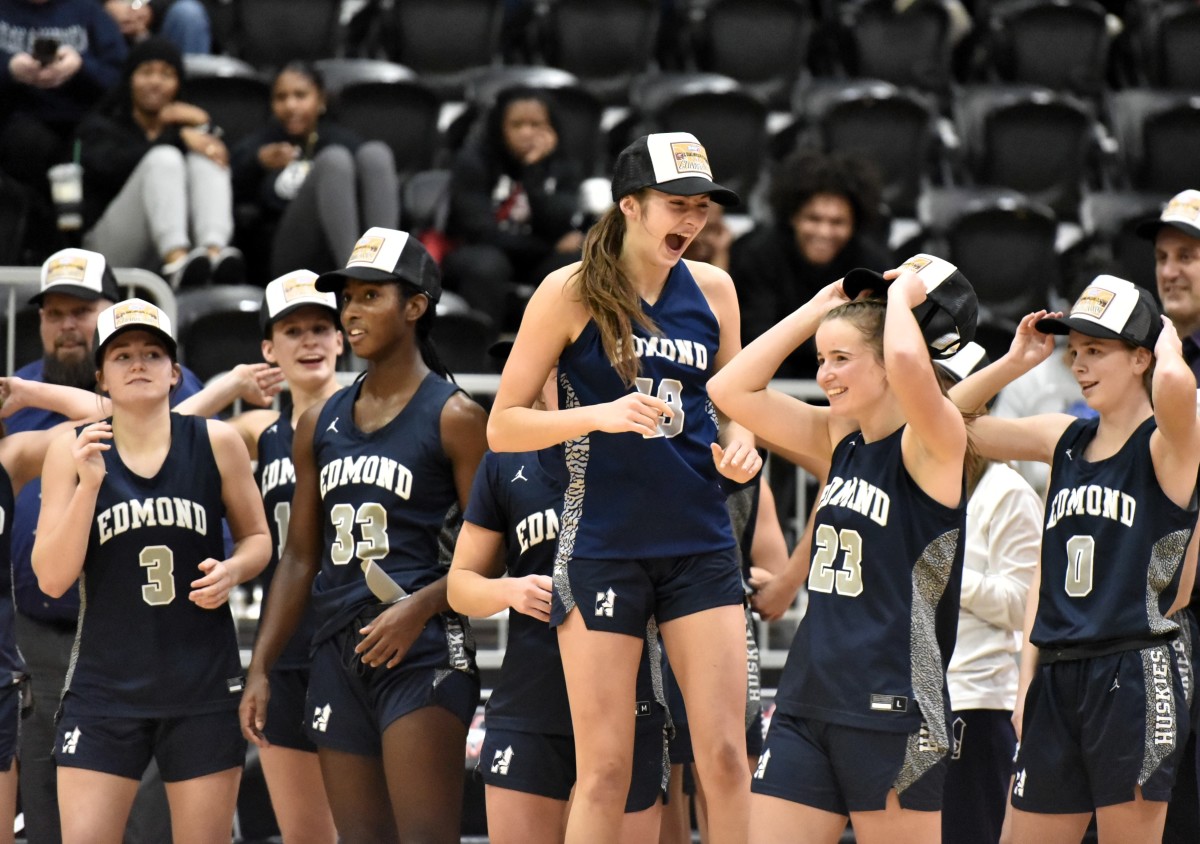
671	162
1113	309
948	315
80	273
385	255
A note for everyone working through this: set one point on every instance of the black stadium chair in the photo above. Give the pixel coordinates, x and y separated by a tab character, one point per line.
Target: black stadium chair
445	40
234	94
1170	43
340	72
1061	44
1030	139
1157	132
217	328
404	115
272	33
894	128
605	44
910	48
1001	240
1109	218
763	44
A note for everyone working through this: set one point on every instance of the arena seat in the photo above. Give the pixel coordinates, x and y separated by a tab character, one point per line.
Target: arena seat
910	48
218	328
1061	44
444	40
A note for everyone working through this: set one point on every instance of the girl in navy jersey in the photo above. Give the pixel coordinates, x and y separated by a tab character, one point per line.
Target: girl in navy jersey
1104	715
860	728
636	333
380	467
132	507
528	759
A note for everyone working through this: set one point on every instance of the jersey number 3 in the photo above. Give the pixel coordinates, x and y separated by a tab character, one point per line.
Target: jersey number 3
822	577
372	518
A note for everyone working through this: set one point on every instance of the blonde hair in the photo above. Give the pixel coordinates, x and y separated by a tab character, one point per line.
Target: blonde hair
609	295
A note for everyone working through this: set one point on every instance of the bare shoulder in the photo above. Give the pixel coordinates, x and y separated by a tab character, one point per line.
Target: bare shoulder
715	284
556	311
224	436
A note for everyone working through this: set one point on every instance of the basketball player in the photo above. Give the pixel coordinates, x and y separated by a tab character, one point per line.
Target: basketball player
860	728
155	670
528	758
636	333
1104	714
380	466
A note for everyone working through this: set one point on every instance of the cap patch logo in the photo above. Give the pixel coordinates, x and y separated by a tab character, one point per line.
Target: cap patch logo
66	269
916	263
300	288
1183	207
690	158
135	313
366	250
1093	302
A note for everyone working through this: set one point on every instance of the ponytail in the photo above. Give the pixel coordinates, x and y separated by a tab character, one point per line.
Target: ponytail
609	296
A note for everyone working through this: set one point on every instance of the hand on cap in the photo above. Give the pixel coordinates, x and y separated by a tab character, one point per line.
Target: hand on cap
906	286
1029	346
831	295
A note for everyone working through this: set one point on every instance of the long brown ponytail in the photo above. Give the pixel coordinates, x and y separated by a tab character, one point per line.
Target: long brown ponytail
609	295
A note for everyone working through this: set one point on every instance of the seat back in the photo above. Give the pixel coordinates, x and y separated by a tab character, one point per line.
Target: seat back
218	328
272	33
240	105
437	37
1109	219
462	339
1173	45
1169	141
404	115
1060	44
337	73
764	44
909	48
605	44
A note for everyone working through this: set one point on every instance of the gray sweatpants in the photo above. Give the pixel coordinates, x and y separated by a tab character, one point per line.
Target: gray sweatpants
170	201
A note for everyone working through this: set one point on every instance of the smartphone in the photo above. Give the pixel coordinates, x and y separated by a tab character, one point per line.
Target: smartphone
45	50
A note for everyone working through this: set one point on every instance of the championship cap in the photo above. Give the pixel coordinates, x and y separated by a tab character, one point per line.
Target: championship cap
80	273
1113	309
969	359
950	311
289	293
128	315
671	162
384	255
1182	212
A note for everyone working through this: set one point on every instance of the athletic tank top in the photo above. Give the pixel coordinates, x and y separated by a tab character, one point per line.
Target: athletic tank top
276	478
142	649
385	495
520	494
12	666
1112	547
631	496
883	592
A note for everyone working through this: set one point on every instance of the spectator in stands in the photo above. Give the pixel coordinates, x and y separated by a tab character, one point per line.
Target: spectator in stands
821	205
514	203
317	185
156	176
56	61
76	285
184	23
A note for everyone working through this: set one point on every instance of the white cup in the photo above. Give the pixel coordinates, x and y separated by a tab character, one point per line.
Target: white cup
66	188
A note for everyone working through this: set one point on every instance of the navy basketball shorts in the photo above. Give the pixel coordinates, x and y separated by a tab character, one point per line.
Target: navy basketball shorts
287	710
350	704
620	596
544	765
10	724
1096	728
845	769
185	748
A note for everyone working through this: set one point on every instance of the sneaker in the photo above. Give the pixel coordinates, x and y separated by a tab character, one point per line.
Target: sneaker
229	266
192	270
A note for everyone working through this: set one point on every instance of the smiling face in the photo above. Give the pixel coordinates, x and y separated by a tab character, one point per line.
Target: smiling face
376	316
297	103
850	369
1108	371
305	344
660	226
1177	271
823	226
153	85
137	365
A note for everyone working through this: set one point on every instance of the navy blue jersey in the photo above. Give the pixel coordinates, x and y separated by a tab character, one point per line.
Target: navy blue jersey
883	592
385	495
1112	547
276	478
11	664
617	480
520	495
142	649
